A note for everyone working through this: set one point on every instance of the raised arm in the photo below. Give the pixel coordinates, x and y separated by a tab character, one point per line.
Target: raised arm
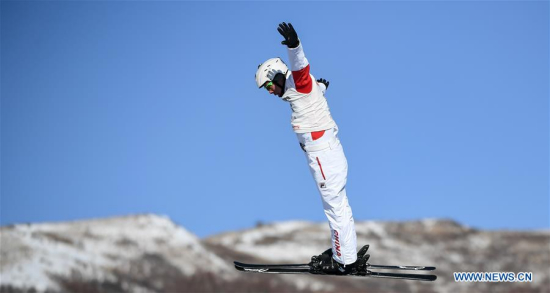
298	61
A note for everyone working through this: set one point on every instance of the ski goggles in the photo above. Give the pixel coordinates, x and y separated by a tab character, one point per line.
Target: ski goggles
268	86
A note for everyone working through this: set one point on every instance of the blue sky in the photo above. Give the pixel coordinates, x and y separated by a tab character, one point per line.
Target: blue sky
119	107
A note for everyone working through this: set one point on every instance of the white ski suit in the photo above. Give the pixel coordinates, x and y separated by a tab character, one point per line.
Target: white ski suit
318	135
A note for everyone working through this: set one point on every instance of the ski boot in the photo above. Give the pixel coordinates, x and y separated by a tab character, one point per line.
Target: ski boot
326	264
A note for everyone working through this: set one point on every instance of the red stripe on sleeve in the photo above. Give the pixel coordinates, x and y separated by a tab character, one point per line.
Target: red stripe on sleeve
302	80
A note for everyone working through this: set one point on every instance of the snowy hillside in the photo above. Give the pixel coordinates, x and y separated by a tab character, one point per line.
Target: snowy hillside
106	251
149	253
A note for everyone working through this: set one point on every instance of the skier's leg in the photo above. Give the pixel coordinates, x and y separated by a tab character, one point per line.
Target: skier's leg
329	169
336	205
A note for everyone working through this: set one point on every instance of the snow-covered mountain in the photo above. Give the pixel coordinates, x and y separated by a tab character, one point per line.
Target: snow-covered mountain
149	253
134	254
445	244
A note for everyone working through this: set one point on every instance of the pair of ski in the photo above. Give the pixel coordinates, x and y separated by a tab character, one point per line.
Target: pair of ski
364	270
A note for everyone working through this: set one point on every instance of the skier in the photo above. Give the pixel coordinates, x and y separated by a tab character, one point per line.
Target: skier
318	136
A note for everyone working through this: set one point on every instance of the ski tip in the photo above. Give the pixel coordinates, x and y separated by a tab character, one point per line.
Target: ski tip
430	278
417	268
415	277
425	268
362	251
239	265
366	257
364	248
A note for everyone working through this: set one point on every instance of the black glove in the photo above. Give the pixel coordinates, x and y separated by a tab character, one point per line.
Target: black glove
324	81
288	32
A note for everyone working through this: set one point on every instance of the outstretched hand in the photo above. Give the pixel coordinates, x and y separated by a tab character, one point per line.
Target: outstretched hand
288	32
323	81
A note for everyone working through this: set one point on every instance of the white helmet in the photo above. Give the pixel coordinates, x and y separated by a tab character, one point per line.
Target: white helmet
267	70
